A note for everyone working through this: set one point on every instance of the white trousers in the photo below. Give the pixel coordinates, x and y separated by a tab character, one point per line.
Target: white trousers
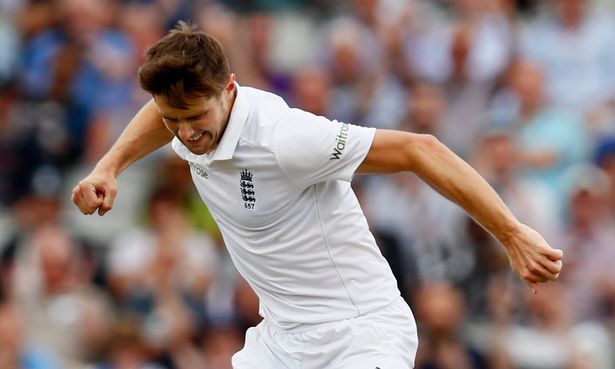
381	339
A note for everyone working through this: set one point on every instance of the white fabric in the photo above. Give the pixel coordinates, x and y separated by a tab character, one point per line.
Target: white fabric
386	338
298	236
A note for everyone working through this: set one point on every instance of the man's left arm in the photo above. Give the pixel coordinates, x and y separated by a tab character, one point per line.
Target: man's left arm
395	151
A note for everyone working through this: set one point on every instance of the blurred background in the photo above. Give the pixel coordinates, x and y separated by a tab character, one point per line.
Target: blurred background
524	90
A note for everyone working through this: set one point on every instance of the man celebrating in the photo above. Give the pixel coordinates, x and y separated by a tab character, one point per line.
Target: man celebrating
277	182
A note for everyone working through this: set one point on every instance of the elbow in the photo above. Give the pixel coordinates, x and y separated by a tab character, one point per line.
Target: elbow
422	148
428	142
397	151
424	144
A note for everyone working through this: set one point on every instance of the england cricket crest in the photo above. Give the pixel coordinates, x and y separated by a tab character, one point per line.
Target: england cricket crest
246	186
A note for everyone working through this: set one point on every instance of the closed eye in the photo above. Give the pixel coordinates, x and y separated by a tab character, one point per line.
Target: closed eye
169	120
197	117
191	118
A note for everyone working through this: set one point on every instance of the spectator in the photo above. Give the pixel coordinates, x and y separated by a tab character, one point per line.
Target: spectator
588	240
15	351
552	340
534	202
413	213
62	308
127	349
167	261
466	97
440	311
312	91
81	64
219	344
9	48
362	90
572	42
605	158
550	139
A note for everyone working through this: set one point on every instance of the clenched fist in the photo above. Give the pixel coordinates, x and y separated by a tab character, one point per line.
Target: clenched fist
96	191
532	257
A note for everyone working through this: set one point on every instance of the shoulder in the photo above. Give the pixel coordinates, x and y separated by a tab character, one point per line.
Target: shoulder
265	113
264	106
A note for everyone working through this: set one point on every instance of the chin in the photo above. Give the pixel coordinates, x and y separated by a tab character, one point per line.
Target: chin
198	151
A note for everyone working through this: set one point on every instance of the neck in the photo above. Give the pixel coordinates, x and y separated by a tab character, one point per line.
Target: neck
230	107
228	114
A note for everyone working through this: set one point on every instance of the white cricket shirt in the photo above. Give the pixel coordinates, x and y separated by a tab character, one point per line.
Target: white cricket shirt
278	185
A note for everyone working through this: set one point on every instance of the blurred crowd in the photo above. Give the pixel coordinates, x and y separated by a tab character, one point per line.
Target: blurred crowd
524	90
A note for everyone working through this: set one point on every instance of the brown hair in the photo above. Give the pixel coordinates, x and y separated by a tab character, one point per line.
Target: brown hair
186	63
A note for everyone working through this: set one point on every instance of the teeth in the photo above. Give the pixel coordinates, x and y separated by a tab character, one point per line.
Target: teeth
196	137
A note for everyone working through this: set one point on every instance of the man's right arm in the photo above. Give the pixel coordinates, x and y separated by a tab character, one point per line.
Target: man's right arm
144	134
393	151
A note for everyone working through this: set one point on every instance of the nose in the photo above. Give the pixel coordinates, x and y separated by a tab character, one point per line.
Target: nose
185	131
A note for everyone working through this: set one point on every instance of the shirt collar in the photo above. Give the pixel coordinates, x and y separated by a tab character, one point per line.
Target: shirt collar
230	138
236	122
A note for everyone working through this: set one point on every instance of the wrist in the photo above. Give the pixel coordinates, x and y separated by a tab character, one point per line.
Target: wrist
508	233
107	168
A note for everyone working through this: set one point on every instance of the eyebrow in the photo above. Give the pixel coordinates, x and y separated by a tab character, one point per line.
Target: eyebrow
192	117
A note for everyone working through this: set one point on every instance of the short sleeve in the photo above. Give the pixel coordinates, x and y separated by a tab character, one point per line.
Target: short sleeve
312	149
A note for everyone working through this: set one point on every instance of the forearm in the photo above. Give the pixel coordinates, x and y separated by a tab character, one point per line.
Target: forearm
448	174
144	134
394	151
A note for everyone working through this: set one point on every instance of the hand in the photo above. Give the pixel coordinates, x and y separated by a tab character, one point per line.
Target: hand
96	191
532	258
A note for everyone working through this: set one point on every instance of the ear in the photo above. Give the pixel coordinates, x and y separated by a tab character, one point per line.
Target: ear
230	86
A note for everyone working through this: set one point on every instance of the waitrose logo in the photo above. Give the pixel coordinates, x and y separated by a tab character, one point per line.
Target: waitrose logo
340	142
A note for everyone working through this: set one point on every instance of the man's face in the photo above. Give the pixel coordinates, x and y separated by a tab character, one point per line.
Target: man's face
200	126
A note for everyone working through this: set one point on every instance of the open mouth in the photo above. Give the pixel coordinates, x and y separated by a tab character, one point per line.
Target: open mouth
196	138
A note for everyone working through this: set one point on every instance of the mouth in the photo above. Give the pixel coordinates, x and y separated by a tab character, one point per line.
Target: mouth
196	138
199	143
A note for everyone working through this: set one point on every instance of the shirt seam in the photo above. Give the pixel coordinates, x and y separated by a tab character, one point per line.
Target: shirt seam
326	242
274	151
